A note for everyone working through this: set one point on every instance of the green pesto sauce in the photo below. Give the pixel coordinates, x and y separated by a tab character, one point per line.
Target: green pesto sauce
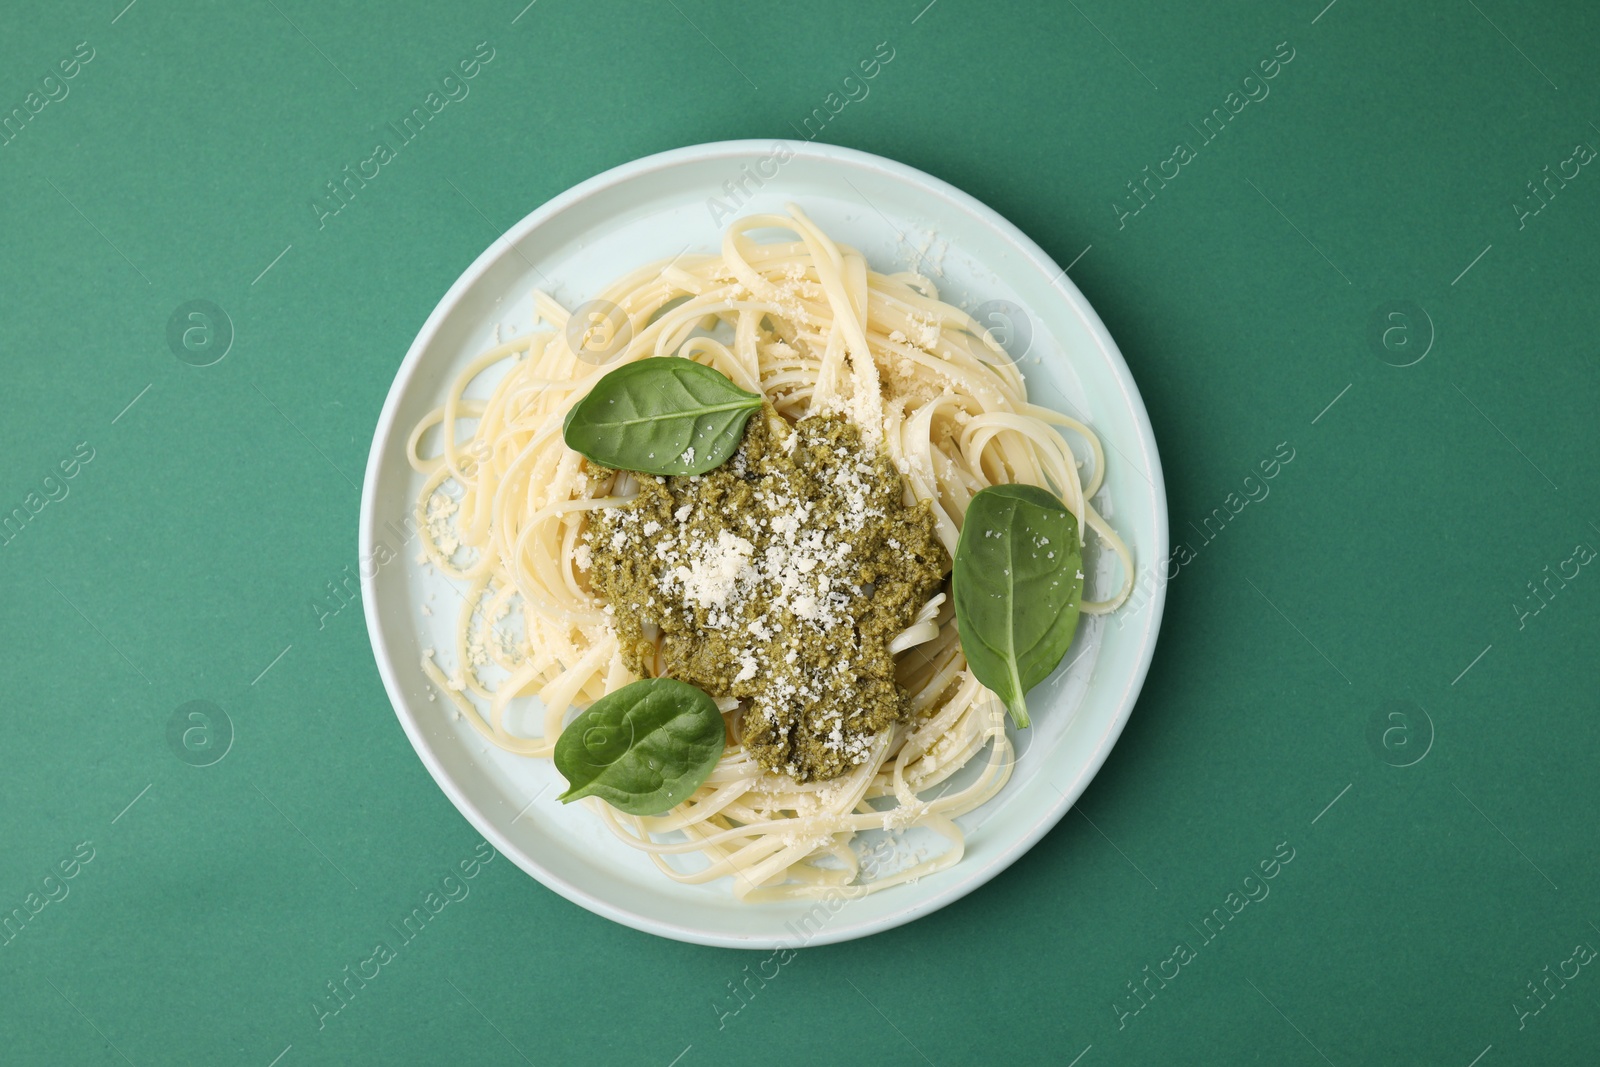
778	578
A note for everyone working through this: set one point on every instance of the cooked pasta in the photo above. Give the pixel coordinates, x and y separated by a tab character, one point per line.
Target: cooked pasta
807	324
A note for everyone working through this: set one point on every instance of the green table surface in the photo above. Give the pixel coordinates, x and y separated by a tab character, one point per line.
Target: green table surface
1376	669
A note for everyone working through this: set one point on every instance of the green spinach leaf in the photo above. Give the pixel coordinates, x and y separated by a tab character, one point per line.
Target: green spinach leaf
643	749
1016	582
661	416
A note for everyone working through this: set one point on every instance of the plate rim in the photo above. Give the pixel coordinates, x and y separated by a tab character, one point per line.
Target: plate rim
1034	257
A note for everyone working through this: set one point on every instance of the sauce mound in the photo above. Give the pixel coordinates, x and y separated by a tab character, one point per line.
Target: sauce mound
778	578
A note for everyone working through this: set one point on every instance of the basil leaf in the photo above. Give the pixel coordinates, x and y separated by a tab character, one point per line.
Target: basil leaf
1016	582
643	749
660	416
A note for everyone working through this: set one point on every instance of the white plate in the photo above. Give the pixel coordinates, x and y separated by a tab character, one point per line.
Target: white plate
655	208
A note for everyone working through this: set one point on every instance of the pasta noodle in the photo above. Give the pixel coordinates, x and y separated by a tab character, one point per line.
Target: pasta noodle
806	323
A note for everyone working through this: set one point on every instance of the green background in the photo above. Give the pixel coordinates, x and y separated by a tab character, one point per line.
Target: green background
1380	577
